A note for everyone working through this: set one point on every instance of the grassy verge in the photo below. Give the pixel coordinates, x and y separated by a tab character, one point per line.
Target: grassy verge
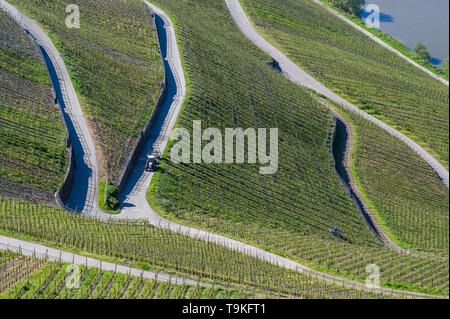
105	205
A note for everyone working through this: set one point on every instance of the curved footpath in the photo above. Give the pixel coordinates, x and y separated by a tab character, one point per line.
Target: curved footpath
52	254
381	42
84	185
300	77
133	198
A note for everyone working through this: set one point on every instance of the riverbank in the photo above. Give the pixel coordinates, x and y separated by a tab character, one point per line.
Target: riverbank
387	39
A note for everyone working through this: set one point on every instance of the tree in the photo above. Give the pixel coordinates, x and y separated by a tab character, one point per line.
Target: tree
112	192
445	66
350	6
422	51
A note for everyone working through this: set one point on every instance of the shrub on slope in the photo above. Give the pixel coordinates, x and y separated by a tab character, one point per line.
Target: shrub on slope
410	199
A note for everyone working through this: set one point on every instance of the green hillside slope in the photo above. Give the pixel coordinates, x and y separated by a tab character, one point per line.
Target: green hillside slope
232	86
115	66
32	136
409	200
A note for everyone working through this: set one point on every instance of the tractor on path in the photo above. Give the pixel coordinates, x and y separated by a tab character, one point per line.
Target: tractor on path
152	161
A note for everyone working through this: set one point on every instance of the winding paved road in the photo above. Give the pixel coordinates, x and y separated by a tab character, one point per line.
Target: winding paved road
300	77
352	189
133	197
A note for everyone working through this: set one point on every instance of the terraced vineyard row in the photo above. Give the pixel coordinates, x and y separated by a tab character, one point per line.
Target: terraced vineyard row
114	63
407	195
135	241
293	210
33	159
32	278
14	268
358	69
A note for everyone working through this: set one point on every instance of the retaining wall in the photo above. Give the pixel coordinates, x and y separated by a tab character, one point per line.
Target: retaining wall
140	142
64	190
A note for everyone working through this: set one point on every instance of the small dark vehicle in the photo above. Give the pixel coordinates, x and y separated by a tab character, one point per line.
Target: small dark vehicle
335	231
275	65
152	162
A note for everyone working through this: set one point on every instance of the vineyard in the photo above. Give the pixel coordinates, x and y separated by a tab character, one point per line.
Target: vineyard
136	241
427	272
33	158
114	63
358	69
232	86
408	196
33	278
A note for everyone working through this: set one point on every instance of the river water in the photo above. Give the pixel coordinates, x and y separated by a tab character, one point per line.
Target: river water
412	21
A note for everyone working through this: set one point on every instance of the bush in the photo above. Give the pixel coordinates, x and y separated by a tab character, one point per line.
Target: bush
422	51
350	6
113	203
112	191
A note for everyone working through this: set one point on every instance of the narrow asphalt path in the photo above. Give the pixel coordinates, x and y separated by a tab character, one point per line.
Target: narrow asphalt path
300	77
41	251
381	42
133	197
